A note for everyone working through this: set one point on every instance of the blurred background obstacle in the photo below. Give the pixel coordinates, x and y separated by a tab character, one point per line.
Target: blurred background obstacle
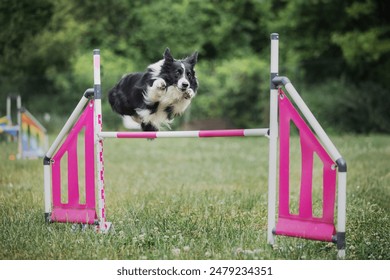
27	131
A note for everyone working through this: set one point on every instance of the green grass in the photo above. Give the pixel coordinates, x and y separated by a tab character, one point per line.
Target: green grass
192	199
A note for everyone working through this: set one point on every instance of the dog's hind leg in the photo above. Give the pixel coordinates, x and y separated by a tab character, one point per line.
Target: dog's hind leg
148	127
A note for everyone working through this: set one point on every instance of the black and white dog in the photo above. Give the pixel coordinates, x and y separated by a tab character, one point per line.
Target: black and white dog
153	98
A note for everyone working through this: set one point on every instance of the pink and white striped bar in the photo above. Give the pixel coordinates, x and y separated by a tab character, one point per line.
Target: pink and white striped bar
186	134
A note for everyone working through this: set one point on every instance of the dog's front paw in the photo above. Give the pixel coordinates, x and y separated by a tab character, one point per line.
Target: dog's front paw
160	84
189	93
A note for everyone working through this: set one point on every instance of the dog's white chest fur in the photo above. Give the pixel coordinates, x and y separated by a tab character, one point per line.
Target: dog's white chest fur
171	102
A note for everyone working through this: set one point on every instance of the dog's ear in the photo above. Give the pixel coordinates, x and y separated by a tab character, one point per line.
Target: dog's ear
167	55
193	58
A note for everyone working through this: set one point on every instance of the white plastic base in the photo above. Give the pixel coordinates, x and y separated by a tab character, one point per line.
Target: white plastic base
106	228
341	254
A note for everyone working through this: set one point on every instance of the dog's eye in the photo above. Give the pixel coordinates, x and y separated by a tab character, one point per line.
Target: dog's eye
179	71
189	74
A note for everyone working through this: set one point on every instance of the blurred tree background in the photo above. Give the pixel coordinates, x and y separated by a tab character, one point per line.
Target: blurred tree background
337	54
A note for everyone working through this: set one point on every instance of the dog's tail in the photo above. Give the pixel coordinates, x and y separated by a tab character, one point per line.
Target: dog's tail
116	100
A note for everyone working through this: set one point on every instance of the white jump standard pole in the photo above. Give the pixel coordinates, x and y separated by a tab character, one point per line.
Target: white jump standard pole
104	226
273	139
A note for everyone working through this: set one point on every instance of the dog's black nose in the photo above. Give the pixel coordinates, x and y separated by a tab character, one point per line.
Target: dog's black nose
185	85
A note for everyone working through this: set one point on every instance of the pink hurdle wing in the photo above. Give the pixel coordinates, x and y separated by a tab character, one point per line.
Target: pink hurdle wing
72	210
304	224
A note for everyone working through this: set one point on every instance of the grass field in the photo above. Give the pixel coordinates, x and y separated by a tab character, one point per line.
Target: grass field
192	199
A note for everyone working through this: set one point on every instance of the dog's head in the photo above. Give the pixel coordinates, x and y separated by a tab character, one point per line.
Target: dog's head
179	73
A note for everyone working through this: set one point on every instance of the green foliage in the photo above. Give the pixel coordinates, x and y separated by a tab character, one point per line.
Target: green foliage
233	89
361	108
45	48
21	22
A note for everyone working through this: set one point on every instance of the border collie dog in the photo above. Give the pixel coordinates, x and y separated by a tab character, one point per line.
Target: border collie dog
153	98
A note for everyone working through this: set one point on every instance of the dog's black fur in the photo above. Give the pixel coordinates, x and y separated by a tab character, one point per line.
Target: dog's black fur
153	98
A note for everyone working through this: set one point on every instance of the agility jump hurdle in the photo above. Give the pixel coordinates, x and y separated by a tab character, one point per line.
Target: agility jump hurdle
87	117
28	131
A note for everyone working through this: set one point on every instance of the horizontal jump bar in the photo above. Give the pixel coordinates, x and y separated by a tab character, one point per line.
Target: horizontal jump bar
187	134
